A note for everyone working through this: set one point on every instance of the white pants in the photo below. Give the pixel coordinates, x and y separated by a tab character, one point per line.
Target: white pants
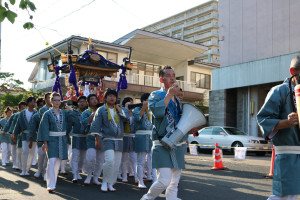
6	148
150	172
27	155
111	166
35	156
141	160
63	166
287	197
64	162
168	180
132	163
14	154
18	158
42	161
94	162
52	172
124	164
78	159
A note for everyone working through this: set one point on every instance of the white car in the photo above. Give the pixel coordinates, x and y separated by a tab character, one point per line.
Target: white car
229	137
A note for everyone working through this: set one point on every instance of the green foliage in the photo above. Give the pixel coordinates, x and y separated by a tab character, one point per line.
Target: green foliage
6	12
28	25
10	100
13	100
31	93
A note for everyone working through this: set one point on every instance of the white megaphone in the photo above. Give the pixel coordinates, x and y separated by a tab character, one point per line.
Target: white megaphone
191	117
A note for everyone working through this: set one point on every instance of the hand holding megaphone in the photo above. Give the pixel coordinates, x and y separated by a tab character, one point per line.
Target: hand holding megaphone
174	89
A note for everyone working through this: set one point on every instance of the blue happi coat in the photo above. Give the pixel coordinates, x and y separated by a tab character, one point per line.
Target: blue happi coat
102	126
22	125
78	134
11	130
277	106
128	139
44	109
7	137
164	120
34	127
90	139
57	145
143	143
8	126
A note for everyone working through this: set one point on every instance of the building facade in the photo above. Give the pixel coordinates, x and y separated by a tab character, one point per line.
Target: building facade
198	25
258	39
148	57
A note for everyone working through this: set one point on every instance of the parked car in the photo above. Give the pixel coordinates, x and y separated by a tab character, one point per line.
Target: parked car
229	137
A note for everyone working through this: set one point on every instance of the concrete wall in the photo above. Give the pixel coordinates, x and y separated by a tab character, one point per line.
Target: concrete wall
268	70
255	29
217	107
242	109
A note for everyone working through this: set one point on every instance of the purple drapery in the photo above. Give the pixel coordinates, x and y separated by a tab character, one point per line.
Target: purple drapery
122	81
72	79
57	87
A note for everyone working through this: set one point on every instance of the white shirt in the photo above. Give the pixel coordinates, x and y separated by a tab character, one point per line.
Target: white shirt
28	115
58	117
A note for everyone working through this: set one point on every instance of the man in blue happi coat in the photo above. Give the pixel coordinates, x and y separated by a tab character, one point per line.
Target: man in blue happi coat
166	110
16	147
21	128
278	120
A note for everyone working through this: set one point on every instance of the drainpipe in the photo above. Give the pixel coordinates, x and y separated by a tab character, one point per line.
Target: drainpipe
248	110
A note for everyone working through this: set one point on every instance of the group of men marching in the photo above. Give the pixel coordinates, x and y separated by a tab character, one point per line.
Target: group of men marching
111	139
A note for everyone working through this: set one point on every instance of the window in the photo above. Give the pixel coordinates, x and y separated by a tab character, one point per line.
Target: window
217	131
201	80
143	73
206	131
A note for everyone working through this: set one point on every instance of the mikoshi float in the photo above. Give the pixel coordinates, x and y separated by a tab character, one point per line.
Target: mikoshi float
86	72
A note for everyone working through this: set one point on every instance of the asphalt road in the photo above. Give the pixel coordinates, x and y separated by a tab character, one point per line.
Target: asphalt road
244	179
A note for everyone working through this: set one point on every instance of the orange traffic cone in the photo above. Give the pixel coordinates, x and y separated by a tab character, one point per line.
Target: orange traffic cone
270	175
218	160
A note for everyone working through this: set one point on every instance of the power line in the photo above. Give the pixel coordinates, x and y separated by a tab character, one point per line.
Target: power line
70	13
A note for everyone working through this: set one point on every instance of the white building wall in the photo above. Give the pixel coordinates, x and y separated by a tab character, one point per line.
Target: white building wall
255	29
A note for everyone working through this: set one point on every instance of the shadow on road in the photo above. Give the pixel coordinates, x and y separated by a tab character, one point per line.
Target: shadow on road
19	186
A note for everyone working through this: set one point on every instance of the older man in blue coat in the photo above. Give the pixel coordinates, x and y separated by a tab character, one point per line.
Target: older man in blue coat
278	120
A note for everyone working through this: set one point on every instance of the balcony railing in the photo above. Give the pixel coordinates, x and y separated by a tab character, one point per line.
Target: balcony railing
189	15
153	81
209	34
208	43
136	79
200	19
200	28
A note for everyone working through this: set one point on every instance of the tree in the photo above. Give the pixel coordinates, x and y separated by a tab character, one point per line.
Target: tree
13	100
10	100
8	83
31	93
6	11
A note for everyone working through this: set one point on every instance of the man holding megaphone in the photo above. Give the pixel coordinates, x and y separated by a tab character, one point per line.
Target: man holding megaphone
278	120
166	109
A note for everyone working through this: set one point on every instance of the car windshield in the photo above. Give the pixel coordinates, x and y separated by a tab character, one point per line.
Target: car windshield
234	131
